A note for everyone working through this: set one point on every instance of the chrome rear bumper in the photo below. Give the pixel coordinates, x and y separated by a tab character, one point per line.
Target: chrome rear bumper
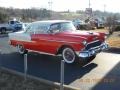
93	51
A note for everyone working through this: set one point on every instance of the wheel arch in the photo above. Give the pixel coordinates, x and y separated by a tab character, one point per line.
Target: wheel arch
60	49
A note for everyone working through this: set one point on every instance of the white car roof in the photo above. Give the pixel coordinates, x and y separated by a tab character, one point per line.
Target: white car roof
51	21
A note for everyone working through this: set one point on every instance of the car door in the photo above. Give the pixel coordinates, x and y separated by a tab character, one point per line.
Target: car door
44	39
40	37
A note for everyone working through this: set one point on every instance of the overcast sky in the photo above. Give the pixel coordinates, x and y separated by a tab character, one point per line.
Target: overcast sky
62	5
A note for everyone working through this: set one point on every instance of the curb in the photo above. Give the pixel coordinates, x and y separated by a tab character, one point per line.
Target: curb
44	81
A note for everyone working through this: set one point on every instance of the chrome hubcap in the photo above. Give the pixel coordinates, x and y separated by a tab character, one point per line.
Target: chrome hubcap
20	49
68	55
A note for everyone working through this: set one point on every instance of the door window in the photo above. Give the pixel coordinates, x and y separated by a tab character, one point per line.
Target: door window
54	28
41	29
37	28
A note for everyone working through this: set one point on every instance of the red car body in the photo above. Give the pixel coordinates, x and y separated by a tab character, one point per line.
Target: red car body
54	42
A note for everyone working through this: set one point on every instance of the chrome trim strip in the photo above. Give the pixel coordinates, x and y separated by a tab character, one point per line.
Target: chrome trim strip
40	52
96	47
59	41
92	42
75	36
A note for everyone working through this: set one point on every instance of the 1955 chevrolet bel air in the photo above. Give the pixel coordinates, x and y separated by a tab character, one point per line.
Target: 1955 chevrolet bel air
59	37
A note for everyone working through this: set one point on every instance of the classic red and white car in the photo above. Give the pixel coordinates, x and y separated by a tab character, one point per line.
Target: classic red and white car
59	37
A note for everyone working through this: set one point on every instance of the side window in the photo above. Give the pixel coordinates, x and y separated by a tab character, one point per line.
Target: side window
41	29
37	28
16	22
64	26
11	22
55	27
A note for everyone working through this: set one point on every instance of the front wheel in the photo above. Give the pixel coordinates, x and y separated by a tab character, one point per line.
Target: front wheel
68	55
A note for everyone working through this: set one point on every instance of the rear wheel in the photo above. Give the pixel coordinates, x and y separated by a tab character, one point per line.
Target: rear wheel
21	49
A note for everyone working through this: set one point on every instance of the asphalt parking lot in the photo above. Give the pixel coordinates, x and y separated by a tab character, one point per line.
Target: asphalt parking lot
101	74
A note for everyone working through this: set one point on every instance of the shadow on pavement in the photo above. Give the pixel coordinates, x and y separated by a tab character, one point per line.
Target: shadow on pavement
75	72
110	81
113	50
44	66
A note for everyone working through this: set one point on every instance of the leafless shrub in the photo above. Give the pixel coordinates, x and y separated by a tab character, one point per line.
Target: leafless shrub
111	23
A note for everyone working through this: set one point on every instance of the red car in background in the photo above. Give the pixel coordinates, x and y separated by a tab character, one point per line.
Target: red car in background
59	37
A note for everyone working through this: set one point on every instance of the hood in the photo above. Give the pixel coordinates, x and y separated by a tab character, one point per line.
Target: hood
87	35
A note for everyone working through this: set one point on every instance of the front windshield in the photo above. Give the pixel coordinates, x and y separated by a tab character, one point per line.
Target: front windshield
67	26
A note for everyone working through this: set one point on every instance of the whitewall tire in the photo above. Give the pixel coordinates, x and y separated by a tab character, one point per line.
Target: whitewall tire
68	55
21	49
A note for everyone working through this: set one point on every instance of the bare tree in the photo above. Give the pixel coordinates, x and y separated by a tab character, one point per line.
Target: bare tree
111	23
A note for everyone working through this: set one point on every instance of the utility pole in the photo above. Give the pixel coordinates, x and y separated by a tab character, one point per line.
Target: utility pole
104	11
50	6
104	8
89	3
90	10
